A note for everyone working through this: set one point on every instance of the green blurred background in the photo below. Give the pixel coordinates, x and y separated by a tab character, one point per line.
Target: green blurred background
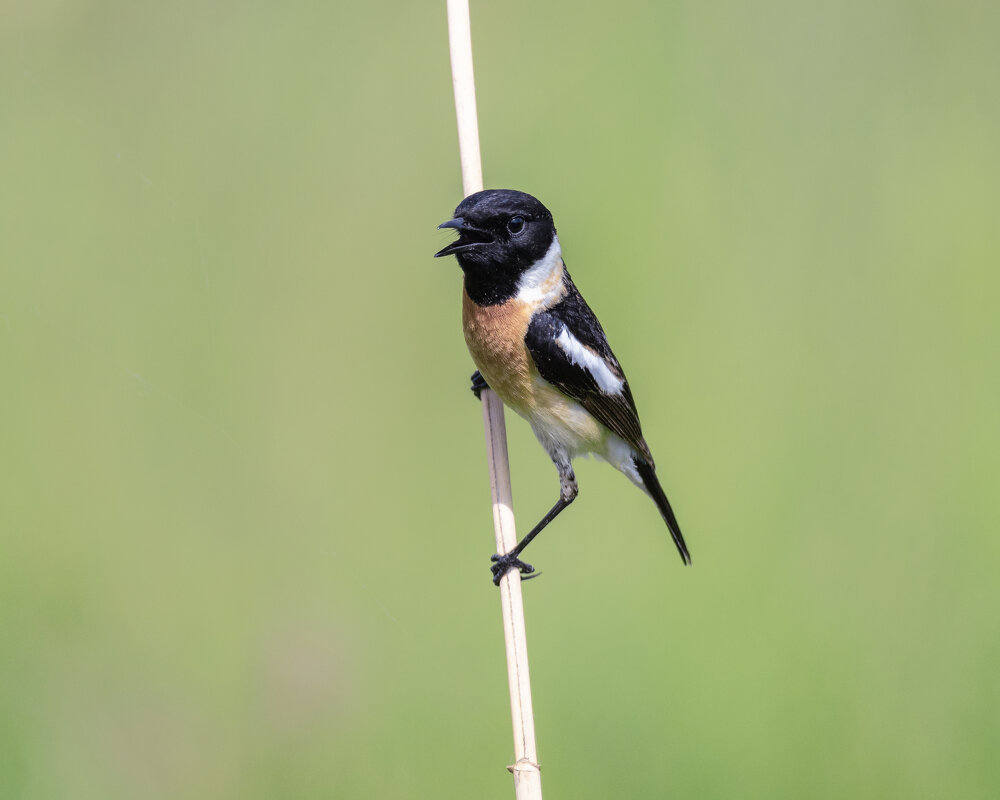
244	510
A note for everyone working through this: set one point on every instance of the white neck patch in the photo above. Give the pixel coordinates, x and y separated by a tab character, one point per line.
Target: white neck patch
541	284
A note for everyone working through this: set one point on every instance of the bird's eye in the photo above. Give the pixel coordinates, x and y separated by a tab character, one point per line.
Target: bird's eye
516	225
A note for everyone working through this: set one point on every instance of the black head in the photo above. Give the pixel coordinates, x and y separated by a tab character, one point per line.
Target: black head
502	233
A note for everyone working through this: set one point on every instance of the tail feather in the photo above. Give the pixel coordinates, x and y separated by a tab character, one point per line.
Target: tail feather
648	474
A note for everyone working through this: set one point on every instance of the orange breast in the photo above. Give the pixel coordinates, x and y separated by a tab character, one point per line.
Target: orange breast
495	338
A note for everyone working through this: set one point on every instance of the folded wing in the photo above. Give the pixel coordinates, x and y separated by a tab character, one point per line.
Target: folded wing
571	352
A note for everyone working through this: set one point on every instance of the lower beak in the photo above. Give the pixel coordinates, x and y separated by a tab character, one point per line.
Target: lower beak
469	236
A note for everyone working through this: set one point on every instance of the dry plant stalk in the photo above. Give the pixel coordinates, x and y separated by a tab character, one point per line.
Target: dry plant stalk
527	776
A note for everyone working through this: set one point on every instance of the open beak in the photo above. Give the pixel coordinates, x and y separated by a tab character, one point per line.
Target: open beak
468	236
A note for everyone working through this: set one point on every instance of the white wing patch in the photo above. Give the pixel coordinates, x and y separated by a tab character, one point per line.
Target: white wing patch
584	357
541	286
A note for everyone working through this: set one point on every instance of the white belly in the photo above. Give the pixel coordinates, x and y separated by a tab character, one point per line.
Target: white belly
566	428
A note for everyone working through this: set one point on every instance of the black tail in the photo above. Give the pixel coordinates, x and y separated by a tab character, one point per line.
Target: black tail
648	474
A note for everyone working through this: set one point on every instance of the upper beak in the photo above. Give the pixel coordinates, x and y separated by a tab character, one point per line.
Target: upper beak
469	236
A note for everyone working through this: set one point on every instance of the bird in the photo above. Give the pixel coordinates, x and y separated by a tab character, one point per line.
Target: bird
539	346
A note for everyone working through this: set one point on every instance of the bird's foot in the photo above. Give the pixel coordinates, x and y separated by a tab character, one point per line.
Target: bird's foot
478	384
503	563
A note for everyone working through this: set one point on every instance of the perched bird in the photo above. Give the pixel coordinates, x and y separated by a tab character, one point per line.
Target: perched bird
538	345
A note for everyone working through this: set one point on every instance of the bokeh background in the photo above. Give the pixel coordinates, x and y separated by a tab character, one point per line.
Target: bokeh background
244	509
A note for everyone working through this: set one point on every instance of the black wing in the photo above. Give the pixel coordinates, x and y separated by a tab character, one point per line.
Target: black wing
571	352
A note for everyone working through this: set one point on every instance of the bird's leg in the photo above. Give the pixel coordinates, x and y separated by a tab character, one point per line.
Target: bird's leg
478	384
509	560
